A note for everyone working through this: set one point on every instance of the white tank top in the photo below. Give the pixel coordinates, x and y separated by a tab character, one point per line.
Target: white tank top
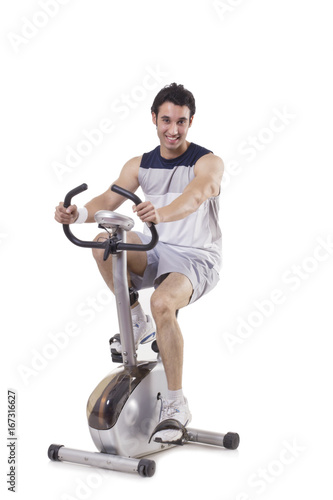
162	181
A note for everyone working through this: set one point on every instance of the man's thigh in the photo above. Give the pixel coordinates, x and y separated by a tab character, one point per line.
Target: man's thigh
136	261
175	288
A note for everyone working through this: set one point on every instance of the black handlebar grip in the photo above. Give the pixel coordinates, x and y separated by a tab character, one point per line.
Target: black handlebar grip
126	194
74	192
66	228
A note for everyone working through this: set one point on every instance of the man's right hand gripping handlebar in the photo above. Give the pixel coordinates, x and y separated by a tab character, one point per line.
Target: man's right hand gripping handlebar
65	212
66	215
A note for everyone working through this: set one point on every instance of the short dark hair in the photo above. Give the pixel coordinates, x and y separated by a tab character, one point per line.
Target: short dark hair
177	94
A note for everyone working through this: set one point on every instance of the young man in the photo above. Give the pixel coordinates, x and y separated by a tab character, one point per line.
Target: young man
181	182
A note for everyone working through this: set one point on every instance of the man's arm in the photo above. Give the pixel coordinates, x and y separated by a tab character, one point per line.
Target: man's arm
208	173
128	179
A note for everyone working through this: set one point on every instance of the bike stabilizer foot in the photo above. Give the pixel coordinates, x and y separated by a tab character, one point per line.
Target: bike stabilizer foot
143	467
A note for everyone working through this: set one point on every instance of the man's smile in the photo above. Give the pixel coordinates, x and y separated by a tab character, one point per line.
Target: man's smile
172	140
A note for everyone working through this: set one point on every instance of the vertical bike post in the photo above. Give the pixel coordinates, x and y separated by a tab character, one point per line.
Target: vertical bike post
119	267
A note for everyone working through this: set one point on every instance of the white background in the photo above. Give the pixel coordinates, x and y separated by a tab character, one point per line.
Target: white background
244	61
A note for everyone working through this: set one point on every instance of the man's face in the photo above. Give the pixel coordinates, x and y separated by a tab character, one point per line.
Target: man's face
172	124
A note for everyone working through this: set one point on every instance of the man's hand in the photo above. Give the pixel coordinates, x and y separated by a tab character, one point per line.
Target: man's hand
147	212
66	215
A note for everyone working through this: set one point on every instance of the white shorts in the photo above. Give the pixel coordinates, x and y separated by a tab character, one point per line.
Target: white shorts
164	259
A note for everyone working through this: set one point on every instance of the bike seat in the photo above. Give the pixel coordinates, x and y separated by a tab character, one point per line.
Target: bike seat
112	220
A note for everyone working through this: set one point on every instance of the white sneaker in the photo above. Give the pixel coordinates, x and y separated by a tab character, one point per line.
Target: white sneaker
143	330
177	410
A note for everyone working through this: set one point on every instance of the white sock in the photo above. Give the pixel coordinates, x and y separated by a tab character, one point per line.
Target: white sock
138	311
175	395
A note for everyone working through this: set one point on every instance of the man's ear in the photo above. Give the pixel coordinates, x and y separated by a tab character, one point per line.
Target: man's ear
154	118
191	120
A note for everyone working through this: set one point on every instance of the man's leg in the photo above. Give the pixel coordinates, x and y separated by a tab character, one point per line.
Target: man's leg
172	294
143	327
136	261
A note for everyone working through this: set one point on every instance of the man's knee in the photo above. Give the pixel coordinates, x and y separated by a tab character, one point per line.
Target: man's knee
161	305
98	253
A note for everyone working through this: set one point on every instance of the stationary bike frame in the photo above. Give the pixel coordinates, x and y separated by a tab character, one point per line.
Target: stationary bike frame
123	410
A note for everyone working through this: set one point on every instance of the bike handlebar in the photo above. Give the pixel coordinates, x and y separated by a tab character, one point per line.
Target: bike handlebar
104	244
127	194
74	192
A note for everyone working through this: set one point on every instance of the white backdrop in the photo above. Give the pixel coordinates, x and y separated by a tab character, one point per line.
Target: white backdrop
257	357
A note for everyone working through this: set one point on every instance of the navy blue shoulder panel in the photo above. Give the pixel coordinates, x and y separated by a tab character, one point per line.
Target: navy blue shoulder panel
187	159
148	160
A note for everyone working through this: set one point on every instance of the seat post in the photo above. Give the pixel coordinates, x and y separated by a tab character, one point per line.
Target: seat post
119	267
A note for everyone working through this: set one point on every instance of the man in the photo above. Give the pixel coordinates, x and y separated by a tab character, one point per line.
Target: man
181	182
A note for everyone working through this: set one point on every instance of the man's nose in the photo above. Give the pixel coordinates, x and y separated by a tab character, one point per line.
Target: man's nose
173	129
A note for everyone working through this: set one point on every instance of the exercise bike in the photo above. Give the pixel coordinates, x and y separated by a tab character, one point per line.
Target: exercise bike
123	411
